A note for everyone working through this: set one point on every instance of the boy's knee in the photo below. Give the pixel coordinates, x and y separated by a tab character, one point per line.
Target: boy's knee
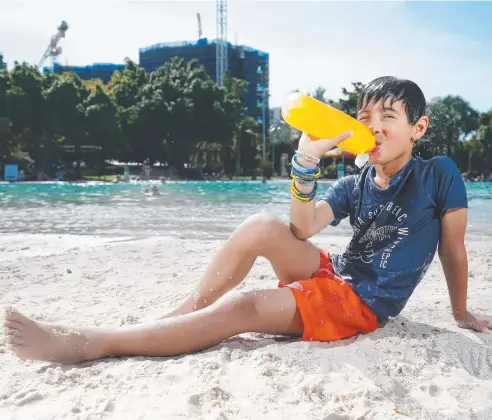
263	228
238	306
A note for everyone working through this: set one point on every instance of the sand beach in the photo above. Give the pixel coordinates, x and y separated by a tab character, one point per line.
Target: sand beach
420	366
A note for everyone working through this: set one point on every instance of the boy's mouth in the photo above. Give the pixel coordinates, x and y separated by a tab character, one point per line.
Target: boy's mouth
376	148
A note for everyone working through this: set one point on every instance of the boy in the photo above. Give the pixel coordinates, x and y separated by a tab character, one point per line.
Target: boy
400	207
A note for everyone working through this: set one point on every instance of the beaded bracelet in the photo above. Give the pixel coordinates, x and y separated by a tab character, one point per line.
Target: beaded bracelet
301	170
303	196
308	157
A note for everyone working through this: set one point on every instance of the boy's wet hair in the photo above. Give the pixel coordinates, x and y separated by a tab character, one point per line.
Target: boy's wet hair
395	89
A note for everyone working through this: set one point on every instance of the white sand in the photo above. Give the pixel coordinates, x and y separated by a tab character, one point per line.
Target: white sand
420	364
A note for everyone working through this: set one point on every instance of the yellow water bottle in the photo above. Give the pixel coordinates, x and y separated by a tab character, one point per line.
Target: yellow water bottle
322	121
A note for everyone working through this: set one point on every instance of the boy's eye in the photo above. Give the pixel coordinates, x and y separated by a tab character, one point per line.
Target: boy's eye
388	116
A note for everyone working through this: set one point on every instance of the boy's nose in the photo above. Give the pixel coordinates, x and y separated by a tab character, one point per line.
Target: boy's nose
375	126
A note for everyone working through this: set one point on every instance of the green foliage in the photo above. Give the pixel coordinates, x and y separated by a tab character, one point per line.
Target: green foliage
452	132
177	115
5	82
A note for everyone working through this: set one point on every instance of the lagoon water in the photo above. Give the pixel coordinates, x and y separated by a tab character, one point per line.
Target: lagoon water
208	210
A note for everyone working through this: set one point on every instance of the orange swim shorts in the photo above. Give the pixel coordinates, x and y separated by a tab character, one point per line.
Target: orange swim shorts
329	308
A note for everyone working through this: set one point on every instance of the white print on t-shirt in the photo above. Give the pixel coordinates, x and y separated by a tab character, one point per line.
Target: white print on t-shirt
373	235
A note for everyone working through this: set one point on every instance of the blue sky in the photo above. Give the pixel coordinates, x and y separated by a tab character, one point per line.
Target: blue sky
469	18
446	47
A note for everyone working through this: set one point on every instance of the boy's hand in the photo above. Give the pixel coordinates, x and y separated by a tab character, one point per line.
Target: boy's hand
318	148
480	323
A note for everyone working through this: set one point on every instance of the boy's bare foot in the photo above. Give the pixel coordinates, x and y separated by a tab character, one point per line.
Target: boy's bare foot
35	340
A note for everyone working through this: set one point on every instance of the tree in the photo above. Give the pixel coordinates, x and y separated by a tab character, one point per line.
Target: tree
474	148
125	85
66	113
319	94
484	136
125	89
247	143
26	108
101	124
7	145
452	119
179	116
185	111
236	90
5	83
348	103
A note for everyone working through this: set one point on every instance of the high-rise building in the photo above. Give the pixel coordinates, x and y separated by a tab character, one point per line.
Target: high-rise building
3	64
244	63
102	71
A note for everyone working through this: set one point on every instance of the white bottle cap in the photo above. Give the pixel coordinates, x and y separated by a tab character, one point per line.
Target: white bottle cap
361	160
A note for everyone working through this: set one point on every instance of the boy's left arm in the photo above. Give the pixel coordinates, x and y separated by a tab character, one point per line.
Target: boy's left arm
452	253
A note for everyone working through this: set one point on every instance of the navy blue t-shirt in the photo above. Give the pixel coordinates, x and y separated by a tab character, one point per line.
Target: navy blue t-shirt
396	230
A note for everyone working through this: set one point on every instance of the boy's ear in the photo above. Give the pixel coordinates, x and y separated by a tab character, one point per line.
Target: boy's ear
420	127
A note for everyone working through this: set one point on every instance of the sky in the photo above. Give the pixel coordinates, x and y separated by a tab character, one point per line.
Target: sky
445	47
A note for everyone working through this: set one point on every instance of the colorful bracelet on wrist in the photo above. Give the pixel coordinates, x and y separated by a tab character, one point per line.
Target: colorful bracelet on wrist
308	157
302	181
304	176
301	170
304	197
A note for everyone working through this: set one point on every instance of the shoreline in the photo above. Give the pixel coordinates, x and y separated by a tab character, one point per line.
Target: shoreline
96	181
85	181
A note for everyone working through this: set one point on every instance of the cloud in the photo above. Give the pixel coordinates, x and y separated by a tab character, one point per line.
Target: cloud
310	43
377	39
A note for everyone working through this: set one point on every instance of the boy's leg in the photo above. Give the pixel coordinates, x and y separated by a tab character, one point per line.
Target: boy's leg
269	311
260	235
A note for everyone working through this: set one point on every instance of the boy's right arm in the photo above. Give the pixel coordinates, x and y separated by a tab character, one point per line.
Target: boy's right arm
307	219
306	222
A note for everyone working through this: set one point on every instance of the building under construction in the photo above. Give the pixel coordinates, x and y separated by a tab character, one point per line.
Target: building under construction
243	62
102	71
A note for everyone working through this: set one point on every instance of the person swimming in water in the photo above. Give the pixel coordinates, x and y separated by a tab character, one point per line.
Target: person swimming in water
154	190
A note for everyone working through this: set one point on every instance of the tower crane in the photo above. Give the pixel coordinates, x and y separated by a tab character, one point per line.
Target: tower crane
53	49
222	62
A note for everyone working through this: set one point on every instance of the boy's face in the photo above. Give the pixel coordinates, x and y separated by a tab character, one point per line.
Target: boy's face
394	134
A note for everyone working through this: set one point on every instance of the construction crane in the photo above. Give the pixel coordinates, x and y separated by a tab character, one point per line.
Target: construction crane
53	49
221	60
200	33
